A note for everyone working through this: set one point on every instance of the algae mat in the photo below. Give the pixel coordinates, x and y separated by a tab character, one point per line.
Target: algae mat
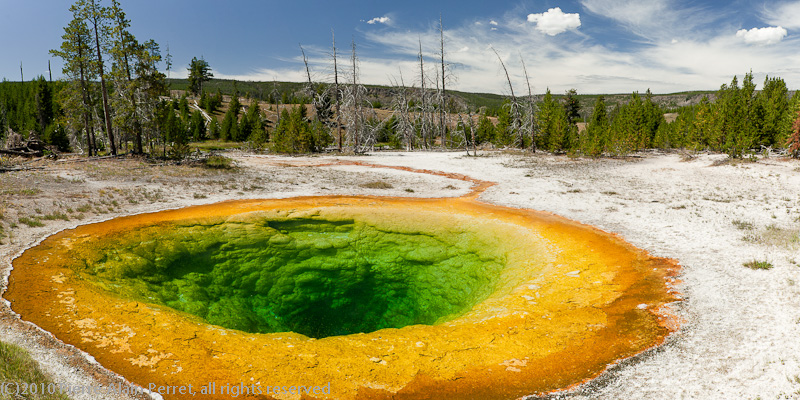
355	297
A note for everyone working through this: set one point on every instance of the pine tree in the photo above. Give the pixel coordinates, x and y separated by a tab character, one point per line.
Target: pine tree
546	121
557	132
653	119
199	72
214	129
79	69
734	131
44	104
230	123
771	107
506	128
485	133
197	126
98	19
630	130
251	122
227	128
594	139
572	106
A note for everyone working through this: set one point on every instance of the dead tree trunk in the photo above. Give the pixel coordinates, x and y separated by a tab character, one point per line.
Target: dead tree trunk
514	106
443	96
530	118
311	89
423	108
401	108
356	100
336	93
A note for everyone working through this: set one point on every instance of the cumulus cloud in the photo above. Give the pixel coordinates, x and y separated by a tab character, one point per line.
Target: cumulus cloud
762	36
555	21
493	22
379	20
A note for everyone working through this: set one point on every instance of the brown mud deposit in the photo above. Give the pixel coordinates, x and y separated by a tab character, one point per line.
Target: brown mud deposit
588	300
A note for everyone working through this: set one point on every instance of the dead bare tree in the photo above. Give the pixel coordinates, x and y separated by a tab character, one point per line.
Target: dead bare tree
443	95
472	133
529	122
311	90
423	109
336	94
402	112
513	106
276	95
310	87
360	135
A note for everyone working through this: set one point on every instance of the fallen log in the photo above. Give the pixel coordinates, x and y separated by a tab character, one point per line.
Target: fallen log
17	168
24	153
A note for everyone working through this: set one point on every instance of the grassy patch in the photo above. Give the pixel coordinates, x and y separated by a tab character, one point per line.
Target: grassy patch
23	192
16	365
218	162
743	225
377	185
755	264
33	223
56	215
216	145
774	235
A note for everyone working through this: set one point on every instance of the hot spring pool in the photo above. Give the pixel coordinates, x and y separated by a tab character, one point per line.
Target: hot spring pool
379	297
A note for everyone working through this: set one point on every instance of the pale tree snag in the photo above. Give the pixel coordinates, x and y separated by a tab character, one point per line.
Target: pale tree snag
423	108
443	101
513	112
356	99
311	89
530	112
336	93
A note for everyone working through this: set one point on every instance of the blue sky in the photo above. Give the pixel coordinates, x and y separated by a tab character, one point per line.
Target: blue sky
594	46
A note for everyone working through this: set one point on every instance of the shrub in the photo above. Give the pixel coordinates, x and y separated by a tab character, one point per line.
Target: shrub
754	264
377	185
216	161
33	223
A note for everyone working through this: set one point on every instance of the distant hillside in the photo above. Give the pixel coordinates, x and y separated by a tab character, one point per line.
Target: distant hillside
382	96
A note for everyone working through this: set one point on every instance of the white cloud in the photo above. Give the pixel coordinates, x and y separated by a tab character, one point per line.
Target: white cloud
785	14
656	20
762	36
555	21
632	12
493	22
379	20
